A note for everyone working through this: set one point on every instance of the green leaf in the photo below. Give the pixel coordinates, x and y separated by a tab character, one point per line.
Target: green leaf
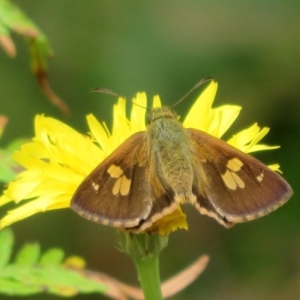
8	167
3	30
13	19
12	288
16	145
53	256
33	273
6	244
28	254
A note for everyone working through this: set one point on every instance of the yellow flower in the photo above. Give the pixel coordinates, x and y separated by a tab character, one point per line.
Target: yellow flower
59	158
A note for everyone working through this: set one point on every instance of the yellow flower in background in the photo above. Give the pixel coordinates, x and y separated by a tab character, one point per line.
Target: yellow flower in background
59	158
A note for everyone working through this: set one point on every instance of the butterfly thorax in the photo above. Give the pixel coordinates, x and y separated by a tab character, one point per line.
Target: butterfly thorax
170	155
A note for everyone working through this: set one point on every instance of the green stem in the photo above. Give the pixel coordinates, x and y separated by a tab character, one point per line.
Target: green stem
148	272
144	249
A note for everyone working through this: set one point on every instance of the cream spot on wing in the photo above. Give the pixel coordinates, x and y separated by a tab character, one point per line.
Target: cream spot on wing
260	177
114	171
105	221
238	180
117	186
234	164
260	214
229	180
95	186
117	224
125	185
122	186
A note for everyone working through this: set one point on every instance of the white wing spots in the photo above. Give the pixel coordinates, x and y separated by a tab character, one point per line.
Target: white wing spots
231	179
260	177
114	171
234	164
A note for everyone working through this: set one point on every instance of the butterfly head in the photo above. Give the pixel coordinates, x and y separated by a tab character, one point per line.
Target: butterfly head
159	113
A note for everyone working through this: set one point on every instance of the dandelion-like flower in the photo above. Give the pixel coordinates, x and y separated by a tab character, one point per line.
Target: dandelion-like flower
59	158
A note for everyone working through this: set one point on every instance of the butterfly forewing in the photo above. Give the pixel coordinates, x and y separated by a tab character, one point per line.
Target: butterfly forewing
233	186
116	192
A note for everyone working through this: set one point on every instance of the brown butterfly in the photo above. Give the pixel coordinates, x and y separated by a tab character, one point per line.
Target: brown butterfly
156	170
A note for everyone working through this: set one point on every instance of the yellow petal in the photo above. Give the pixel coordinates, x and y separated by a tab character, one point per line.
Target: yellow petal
156	102
244	137
261	147
98	131
138	111
275	167
223	118
4	199
257	138
175	220
247	139
31	208
200	115
121	127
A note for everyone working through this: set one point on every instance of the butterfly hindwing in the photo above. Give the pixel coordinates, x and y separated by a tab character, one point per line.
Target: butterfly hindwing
232	186
117	192
162	206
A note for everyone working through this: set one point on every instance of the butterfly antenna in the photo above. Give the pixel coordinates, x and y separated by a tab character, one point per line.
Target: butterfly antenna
108	92
111	93
201	82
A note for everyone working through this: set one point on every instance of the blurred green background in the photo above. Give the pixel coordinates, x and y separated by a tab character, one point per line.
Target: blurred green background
252	48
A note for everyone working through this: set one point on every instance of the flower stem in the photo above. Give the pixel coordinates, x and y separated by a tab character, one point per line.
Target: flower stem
148	272
144	249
